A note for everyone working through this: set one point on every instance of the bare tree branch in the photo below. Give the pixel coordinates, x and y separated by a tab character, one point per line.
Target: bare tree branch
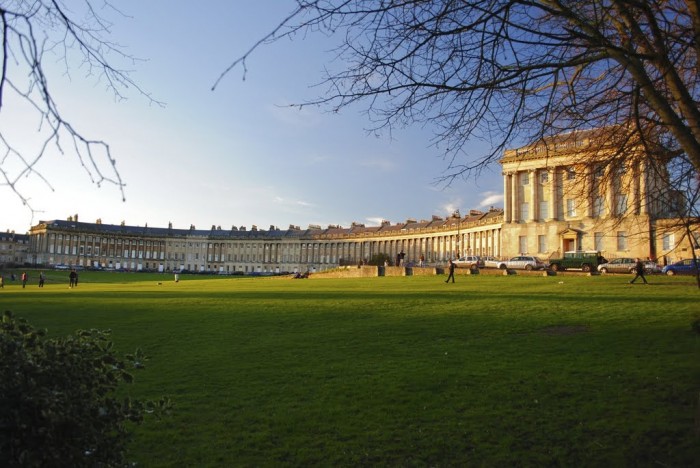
511	71
78	35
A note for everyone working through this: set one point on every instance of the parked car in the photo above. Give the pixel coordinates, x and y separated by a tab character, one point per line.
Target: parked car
585	260
682	267
469	261
523	262
491	262
618	265
651	267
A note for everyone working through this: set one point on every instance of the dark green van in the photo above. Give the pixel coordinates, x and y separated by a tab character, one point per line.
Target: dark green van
585	260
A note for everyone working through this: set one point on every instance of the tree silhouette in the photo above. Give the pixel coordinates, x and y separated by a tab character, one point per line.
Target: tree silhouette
512	72
76	37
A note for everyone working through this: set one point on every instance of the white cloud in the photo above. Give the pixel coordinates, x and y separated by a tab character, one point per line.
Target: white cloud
291	203
379	164
491	198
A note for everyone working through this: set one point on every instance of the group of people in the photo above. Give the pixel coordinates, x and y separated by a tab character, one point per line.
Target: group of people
24	278
73	279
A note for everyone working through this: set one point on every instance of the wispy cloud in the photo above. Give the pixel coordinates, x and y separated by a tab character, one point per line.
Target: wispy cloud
452	206
381	164
291	203
491	198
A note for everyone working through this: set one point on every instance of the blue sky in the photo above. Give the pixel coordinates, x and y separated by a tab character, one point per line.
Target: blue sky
234	156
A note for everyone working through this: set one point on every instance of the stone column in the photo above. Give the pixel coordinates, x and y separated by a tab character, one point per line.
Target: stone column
588	196
514	199
553	195
507	208
534	208
643	189
610	191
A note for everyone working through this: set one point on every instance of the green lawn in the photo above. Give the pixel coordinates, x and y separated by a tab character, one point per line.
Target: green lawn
405	371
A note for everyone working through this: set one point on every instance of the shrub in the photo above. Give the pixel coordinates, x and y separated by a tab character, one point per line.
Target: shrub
695	325
379	259
57	398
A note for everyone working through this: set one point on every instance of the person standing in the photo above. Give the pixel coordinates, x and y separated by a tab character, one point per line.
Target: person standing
639	270
452	272
42	278
72	277
25	278
2	281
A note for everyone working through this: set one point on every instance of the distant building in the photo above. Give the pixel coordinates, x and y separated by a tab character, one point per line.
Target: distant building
571	193
563	193
238	250
14	249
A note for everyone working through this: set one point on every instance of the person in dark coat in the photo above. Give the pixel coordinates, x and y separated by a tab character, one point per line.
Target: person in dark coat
639	270
452	272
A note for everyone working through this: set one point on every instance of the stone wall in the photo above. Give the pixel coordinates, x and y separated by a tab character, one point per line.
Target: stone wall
364	271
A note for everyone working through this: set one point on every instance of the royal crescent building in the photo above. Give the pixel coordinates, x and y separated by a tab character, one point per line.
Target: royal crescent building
557	197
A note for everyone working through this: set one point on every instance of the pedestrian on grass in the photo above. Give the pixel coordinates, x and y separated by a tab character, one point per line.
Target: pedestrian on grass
25	278
452	272
2	281
42	278
73	279
639	270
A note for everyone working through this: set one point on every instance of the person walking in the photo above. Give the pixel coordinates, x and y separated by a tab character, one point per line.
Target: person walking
452	272
72	277
639	270
42	278
25	278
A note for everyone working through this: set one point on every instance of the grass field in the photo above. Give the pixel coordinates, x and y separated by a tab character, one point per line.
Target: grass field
405	371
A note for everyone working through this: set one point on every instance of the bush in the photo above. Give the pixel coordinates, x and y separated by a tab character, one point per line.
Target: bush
57	402
379	259
695	325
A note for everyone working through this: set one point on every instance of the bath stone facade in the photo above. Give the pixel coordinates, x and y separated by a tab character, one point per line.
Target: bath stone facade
571	193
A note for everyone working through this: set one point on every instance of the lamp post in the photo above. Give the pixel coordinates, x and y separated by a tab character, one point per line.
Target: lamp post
459	223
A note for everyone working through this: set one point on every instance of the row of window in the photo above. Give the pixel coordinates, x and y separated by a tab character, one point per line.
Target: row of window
571	205
668	242
570	174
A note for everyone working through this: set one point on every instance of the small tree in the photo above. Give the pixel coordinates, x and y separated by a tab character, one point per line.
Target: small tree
380	259
57	398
